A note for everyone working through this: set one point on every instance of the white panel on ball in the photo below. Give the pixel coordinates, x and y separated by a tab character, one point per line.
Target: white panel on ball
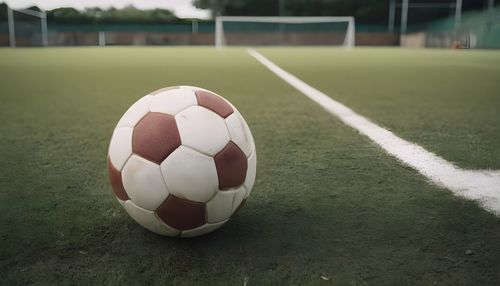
246	127
194	88
143	181
190	175
251	172
249	133
136	112
202	130
173	101
219	208
238	134
120	147
148	220
239	195
204	229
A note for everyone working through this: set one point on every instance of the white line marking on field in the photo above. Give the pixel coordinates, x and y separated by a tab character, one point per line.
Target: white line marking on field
482	185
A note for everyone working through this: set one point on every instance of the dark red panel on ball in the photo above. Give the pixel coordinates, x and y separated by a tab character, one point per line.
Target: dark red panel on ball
182	214
115	177
155	137
231	164
214	102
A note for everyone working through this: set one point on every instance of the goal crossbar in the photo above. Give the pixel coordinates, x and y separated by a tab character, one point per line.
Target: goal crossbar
348	41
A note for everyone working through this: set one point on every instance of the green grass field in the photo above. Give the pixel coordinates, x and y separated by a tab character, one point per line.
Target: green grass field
447	101
327	201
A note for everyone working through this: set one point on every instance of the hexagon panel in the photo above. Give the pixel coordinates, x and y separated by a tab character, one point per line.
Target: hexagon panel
239	196
190	175
209	227
220	207
158	91
194	88
120	147
172	101
239	133
202	130
135	112
144	183
248	132
251	173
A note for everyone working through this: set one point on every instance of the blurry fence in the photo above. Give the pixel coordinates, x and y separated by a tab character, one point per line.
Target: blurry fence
476	30
196	33
28	33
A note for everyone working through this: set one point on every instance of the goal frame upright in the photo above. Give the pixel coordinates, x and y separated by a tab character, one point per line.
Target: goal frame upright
349	40
12	31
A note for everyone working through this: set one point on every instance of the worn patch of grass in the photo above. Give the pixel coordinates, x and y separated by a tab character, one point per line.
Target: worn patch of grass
326	200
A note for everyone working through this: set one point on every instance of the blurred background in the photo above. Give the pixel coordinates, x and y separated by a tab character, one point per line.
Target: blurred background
408	23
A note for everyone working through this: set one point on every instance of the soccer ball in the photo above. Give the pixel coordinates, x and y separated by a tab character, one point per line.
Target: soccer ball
182	161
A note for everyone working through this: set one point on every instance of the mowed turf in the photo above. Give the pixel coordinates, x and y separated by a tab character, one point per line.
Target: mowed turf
447	101
327	202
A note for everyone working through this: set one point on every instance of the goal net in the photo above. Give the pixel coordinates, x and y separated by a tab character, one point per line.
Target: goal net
284	31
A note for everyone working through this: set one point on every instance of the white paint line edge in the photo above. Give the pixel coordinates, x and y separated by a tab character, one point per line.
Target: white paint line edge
482	185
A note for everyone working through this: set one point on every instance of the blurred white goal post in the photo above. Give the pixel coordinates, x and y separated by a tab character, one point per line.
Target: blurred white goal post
349	39
12	30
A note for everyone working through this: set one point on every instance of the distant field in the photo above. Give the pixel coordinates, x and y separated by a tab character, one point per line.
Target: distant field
327	202
447	101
